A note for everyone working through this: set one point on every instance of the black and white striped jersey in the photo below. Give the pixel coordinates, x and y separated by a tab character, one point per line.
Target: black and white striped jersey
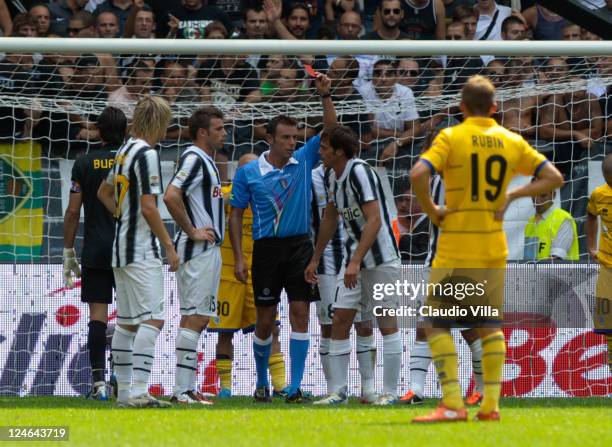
357	185
331	260
197	176
136	172
437	194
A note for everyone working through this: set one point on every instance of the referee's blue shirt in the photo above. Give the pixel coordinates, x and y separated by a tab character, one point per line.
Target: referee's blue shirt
279	198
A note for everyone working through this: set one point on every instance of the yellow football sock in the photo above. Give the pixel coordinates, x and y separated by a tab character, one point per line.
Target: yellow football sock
224	368
493	359
609	338
277	371
445	358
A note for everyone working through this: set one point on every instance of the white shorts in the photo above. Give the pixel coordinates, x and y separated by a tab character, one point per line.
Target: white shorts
198	283
361	297
140	292
327	292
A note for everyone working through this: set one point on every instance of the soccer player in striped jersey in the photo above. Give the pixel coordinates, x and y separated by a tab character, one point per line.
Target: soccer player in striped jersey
327	274
371	258
195	202
130	193
599	205
477	160
420	354
97	282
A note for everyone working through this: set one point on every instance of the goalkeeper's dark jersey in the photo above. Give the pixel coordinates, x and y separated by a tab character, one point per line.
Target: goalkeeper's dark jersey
87	173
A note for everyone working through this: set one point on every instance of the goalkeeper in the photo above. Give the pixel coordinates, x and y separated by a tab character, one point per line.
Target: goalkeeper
599	203
97	275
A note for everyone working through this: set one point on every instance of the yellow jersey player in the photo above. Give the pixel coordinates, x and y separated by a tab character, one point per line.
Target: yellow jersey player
477	159
600	204
236	307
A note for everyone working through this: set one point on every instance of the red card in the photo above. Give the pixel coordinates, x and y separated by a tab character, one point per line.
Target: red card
311	71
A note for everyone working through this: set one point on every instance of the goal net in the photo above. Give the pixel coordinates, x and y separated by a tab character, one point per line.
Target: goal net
395	100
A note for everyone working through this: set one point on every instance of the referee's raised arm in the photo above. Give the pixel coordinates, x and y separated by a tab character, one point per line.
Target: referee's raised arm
323	86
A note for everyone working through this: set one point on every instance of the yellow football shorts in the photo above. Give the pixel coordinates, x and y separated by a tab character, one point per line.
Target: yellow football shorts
603	301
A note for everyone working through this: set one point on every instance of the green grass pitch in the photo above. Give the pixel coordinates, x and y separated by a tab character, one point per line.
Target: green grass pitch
238	421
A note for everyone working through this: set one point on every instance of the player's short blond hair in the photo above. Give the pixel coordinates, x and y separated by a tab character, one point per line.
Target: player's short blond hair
152	116
478	95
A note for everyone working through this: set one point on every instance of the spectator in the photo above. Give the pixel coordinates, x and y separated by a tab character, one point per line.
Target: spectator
226	80
551	233
570	31
411	74
41	15
343	72
490	17
395	114
176	87
544	23
349	26
334	9
24	26
121	8
316	14
517	114
588	35
255	27
107	25
138	84
215	30
232	8
604	68
295	24
571	121
6	23
82	24
190	20
457	69
469	17
141	23
411	228
391	15
423	19
513	28
285	85
450	6
496	72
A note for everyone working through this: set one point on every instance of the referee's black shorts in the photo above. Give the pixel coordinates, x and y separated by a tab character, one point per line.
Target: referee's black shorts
97	285
279	263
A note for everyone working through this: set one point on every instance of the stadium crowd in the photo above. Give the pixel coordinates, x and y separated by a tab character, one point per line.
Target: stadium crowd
570	126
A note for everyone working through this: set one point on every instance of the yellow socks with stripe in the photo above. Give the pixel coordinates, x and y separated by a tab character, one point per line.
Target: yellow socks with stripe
224	368
445	358
277	371
493	359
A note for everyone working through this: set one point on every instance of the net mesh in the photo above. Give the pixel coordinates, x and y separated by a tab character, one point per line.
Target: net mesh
48	108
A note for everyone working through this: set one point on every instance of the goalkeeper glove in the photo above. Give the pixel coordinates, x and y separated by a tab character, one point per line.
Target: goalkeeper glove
70	266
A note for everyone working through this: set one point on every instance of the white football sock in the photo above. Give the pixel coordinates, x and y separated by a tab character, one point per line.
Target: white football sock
476	348
186	360
144	355
366	357
324	355
392	362
420	359
339	356
122	347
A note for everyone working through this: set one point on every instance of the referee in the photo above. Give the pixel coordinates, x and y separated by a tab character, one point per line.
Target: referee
277	186
98	281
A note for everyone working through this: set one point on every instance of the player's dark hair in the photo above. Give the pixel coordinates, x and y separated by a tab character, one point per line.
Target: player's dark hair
509	21
280	119
112	125
200	119
341	138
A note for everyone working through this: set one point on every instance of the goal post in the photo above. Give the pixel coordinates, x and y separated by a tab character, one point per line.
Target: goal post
394	94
